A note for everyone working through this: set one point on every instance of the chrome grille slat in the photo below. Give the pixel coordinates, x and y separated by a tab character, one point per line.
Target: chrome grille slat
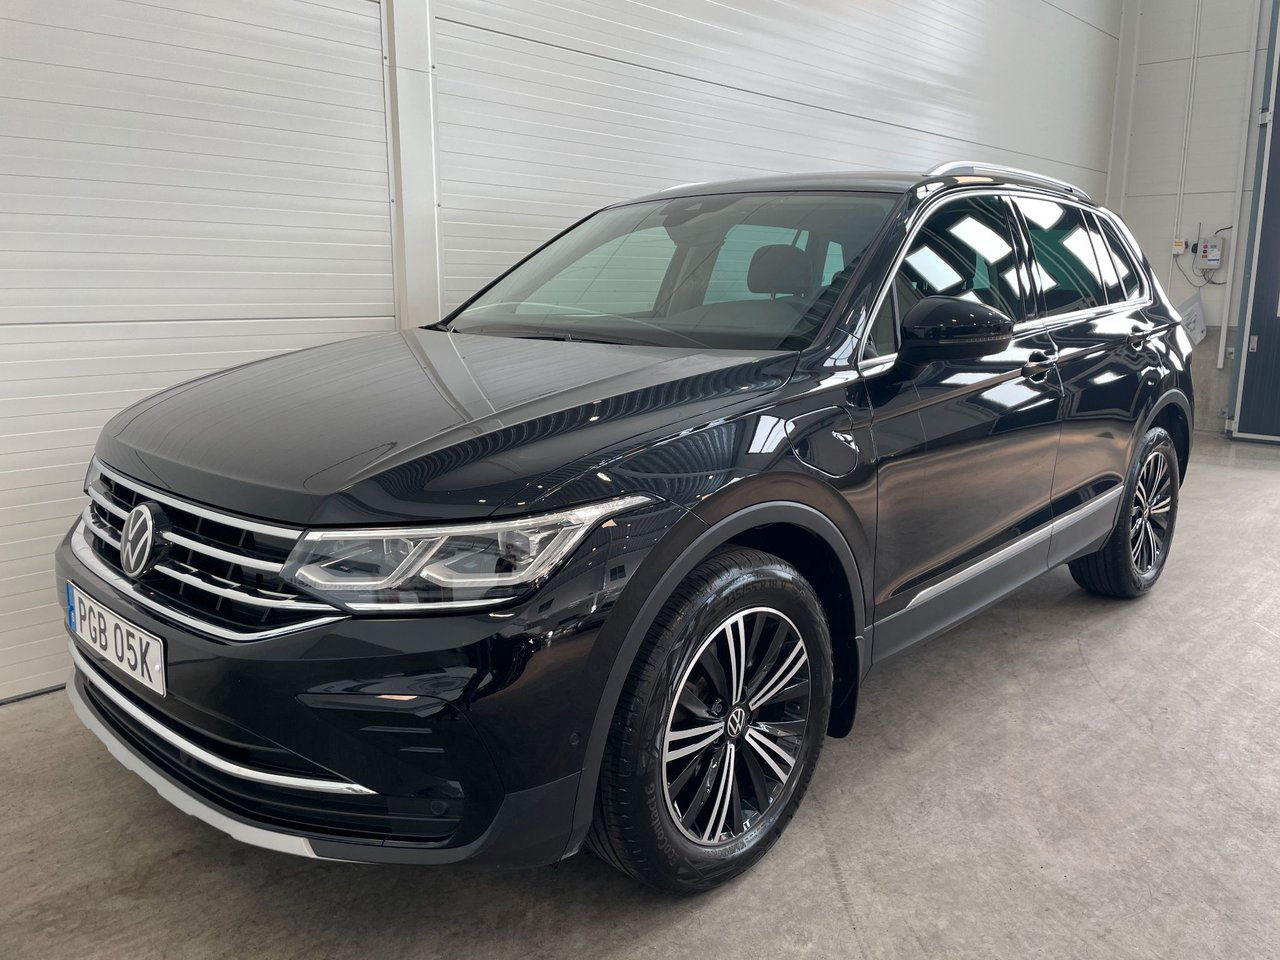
243	560
85	554
105	503
102	533
237	594
219	570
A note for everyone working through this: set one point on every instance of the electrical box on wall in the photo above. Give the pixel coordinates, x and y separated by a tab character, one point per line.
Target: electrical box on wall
1209	253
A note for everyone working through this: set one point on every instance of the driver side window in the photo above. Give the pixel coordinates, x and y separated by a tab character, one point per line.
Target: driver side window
965	249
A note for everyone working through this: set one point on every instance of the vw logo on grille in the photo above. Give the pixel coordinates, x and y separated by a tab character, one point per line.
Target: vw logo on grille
736	722
137	539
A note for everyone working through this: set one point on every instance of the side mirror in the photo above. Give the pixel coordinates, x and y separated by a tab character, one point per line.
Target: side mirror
951	328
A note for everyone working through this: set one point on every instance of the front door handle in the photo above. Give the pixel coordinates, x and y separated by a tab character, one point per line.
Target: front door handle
1038	364
1137	336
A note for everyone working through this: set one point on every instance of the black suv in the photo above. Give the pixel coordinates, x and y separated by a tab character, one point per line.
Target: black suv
604	556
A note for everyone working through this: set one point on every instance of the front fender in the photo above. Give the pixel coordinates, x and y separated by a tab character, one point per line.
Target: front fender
691	539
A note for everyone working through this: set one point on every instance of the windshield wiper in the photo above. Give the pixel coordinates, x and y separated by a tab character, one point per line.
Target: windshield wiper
525	333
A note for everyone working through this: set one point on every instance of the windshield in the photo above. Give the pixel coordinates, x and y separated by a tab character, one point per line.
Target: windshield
755	271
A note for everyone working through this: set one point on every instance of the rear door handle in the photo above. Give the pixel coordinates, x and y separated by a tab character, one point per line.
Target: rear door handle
1038	364
1137	336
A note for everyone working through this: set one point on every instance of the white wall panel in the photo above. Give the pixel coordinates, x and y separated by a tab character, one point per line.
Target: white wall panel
1226	26
1165	30
1216	114
183	187
1155	139
548	110
1102	14
1212	127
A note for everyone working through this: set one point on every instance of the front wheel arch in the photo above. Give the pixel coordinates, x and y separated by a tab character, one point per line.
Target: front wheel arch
688	544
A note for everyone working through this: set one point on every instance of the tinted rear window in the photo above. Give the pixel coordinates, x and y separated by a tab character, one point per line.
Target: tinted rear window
1066	266
1128	278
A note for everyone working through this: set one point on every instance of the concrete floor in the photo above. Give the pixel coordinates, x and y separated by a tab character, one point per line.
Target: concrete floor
1063	776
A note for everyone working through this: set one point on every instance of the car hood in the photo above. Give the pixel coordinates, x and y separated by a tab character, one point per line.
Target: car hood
420	424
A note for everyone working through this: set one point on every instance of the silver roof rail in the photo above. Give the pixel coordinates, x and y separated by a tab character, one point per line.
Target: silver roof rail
958	167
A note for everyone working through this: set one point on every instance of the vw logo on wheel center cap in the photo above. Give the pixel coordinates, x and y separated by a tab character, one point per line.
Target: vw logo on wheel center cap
736	722
138	538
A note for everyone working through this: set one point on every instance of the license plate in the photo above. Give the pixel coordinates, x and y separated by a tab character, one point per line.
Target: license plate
127	648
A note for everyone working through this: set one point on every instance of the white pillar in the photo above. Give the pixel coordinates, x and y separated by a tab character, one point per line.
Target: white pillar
1122	116
411	148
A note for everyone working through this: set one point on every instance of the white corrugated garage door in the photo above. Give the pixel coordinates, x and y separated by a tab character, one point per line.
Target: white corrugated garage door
184	185
550	108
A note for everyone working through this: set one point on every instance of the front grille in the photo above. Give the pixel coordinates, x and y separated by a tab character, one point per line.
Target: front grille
218	571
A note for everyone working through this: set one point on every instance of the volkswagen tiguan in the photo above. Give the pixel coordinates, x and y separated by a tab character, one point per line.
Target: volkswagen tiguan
603	557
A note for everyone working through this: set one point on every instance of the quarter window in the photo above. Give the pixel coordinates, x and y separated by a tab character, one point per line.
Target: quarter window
1066	267
1127	271
1108	273
884	330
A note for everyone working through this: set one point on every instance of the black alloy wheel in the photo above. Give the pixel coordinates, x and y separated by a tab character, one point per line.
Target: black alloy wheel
1149	513
719	725
736	727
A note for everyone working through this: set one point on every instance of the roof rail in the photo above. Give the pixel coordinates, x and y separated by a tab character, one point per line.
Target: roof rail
959	167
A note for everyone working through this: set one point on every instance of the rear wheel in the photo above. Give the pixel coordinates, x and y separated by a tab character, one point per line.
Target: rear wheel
719	726
1132	559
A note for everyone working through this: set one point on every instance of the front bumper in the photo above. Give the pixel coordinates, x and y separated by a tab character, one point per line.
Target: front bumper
468	731
513	837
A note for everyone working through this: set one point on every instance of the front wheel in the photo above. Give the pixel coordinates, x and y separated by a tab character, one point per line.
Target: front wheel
1132	559
719	726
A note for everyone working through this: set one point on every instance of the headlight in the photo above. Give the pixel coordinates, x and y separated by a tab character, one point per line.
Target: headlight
426	568
92	474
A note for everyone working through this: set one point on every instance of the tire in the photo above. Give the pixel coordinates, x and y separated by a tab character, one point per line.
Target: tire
692	835
1132	559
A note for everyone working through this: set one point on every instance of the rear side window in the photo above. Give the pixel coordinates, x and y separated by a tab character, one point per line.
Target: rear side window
965	249
1128	278
1066	266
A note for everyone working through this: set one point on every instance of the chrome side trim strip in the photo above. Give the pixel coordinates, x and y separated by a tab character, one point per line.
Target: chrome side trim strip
230	519
1087	509
84	553
253	563
186	802
1023	543
197	752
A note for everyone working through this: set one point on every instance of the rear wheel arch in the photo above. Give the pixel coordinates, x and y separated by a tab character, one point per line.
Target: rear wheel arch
788	526
1173	411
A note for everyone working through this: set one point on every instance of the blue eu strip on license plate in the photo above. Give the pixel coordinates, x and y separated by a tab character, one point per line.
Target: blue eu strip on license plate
71	606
